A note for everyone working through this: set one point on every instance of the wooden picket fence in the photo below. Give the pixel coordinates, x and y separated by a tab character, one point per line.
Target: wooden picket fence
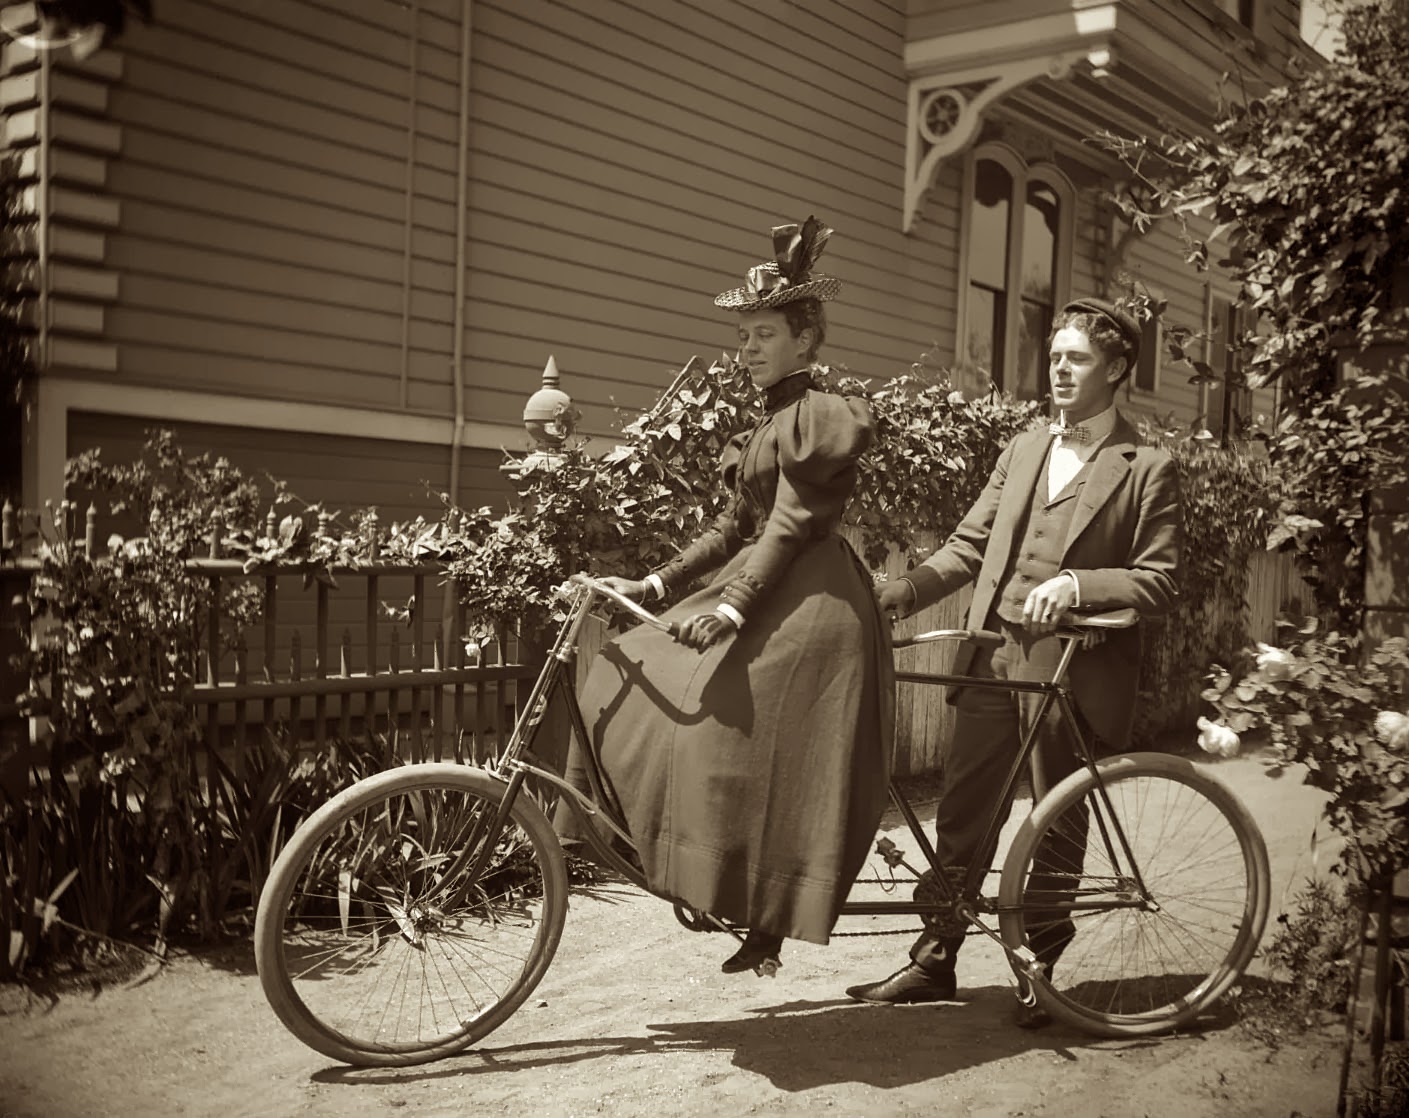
409	684
417	687
412	683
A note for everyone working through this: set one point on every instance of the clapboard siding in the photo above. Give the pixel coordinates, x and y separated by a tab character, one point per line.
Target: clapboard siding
318	467
628	157
929	18
264	180
288	192
625	160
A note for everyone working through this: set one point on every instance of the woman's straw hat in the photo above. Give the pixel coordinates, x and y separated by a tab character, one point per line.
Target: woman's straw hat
788	276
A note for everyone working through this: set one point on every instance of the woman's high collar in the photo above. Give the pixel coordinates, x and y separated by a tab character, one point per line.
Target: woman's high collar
786	391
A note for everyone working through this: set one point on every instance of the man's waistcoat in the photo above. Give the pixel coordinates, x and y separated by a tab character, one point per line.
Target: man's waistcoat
1038	555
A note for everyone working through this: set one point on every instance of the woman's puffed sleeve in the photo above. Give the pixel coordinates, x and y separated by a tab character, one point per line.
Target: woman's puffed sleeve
718	543
820	442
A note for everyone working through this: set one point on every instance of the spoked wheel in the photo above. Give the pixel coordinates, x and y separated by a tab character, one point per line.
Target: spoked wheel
1163	894
375	943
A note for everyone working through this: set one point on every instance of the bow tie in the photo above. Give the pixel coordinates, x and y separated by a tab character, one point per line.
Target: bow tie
1077	434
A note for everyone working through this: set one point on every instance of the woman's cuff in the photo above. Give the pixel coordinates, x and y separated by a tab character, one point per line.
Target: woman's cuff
724	609
657	586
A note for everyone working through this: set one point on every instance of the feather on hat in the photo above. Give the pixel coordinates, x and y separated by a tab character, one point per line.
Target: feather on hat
788	276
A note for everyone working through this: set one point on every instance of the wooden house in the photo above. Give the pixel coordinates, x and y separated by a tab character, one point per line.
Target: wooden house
339	241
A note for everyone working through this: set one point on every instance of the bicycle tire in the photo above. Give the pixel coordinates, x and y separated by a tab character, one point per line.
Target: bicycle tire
1137	971
366	949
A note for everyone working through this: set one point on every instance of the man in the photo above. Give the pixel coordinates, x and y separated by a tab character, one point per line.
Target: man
1074	516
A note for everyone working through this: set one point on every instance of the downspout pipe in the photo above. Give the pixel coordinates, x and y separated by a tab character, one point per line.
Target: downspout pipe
462	160
457	345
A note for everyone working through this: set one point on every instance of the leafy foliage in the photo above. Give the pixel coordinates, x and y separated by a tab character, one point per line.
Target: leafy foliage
1326	705
638	505
1305	185
1310	950
16	364
1331	456
126	820
934	451
1226	506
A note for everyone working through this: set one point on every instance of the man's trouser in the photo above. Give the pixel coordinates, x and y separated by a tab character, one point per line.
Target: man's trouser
988	731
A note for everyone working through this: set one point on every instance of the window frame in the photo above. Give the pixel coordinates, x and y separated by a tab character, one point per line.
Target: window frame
1151	349
1022	173
1220	315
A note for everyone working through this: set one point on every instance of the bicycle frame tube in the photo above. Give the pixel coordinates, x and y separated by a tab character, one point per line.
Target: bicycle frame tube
1054	693
476	851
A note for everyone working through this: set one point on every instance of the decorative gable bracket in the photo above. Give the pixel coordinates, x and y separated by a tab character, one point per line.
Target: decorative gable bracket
954	78
945	111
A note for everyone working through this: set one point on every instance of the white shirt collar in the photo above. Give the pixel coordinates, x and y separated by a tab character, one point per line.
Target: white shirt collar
1098	426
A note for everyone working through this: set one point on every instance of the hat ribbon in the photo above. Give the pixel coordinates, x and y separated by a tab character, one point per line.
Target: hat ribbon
795	250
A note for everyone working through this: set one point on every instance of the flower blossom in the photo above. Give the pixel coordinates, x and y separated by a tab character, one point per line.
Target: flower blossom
1274	663
1392	728
1218	739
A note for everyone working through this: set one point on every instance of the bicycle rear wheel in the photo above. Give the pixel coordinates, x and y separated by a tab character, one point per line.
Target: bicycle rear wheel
373	944
1125	962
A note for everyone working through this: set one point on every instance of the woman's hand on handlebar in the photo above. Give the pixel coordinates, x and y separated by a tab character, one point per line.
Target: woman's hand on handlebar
703	630
635	589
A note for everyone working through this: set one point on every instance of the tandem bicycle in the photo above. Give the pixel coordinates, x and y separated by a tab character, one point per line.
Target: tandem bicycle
415	911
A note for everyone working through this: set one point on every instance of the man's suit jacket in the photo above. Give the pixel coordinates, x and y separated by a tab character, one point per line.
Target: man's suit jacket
1122	546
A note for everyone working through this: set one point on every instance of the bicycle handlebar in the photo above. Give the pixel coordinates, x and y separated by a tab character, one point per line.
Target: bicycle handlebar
635	609
981	637
1073	626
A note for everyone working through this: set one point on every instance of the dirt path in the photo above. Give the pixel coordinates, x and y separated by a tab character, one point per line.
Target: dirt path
635	1019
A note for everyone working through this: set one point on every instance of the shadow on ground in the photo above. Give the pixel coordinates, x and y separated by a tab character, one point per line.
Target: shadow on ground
881	1047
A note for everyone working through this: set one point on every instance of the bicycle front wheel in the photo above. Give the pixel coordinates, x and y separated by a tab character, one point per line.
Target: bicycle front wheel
1144	904
375	943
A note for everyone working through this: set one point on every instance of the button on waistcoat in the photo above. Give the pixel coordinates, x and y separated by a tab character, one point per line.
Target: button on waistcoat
1038	554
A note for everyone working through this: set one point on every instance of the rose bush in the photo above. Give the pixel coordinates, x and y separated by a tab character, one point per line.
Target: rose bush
1322	703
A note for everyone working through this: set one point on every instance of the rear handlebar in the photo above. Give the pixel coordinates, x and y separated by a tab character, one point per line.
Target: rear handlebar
1073	627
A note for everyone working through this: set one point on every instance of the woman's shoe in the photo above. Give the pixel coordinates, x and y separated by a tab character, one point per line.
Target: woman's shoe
759	953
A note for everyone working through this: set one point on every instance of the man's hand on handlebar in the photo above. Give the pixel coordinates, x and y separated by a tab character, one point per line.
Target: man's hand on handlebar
896	596
703	630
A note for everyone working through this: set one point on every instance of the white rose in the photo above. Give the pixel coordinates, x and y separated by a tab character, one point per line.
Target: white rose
1275	663
1392	728
1217	739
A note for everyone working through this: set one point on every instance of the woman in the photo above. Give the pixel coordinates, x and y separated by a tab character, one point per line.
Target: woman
751	758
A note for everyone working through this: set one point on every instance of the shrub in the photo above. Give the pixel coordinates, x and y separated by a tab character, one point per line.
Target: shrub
635	507
1226	506
1337	710
1305	187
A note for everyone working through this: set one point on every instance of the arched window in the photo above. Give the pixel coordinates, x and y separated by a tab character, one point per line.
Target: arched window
1016	267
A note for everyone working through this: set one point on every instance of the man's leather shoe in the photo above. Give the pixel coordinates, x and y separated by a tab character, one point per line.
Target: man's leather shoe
1031	1016
910	985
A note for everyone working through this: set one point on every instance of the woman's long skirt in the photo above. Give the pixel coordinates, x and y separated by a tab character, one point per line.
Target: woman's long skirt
753	775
